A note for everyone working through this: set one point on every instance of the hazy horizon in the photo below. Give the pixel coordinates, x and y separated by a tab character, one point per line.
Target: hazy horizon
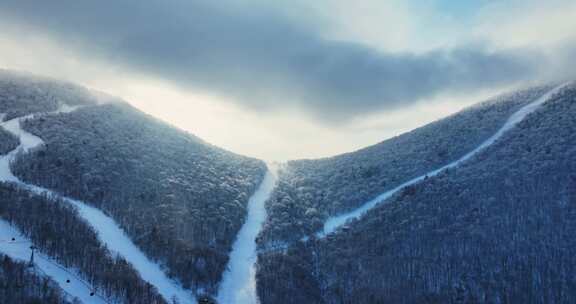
294	79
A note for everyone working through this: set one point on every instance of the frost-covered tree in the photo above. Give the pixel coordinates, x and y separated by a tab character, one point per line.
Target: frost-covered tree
56	230
341	183
497	229
21	284
8	142
181	199
22	94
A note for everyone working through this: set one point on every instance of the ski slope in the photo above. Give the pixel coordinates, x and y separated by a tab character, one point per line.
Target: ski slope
107	229
19	249
336	222
239	281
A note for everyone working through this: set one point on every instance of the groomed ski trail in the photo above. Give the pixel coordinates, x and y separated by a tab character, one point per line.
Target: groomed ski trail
238	285
19	249
107	229
336	222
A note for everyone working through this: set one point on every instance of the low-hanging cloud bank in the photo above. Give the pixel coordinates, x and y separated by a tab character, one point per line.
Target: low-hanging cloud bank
262	58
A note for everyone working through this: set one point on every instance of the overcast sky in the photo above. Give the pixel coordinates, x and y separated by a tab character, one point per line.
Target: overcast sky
292	79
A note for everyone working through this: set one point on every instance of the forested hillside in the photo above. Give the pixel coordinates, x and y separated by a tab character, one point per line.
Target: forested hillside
8	142
309	191
20	284
22	94
180	199
56	229
498	229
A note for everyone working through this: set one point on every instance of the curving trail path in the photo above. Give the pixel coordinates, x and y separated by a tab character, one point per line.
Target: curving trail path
332	224
108	230
238	285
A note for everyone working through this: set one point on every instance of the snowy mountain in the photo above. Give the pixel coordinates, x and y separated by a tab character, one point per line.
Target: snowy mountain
174	195
314	190
496	228
160	195
101	203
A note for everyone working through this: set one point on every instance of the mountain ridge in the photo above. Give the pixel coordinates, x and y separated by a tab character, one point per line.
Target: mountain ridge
181	202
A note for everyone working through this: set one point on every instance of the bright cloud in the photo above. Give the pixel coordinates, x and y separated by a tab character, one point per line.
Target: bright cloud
293	79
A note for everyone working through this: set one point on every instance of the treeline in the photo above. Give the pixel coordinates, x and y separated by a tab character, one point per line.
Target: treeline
180	199
498	229
310	191
20	284
8	142
22	94
57	230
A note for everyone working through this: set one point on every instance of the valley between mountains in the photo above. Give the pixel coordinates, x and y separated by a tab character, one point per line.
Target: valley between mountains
120	207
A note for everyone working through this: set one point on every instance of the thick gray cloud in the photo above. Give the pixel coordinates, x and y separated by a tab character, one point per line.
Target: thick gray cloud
259	57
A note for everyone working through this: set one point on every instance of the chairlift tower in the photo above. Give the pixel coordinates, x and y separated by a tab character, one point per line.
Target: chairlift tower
31	262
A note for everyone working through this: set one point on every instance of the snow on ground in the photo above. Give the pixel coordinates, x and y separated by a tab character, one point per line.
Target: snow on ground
19	249
118	242
108	231
27	142
336	222
239	281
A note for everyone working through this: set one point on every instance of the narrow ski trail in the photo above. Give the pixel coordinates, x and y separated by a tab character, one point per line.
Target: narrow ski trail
239	280
332	224
107	229
19	249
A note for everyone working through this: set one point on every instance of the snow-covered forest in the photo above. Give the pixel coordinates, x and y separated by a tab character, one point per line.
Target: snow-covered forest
22	94
182	203
8	142
497	229
57	231
108	231
180	199
21	284
310	191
